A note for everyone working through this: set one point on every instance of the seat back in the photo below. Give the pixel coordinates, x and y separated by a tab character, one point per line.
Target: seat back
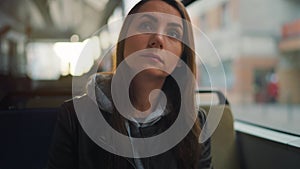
26	137
223	139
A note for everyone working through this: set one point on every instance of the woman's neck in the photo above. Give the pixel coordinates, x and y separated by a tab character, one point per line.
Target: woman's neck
140	89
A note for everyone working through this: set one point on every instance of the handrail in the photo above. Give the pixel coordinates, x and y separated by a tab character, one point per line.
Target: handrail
27	111
221	97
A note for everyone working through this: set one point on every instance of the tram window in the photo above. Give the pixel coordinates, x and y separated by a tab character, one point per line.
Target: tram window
254	59
42	62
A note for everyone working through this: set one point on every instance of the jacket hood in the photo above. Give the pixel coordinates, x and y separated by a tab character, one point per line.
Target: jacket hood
99	90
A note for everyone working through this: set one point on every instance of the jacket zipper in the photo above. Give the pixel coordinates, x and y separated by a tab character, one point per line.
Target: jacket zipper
131	163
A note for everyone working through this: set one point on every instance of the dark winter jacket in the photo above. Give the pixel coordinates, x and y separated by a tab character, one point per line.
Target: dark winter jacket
72	148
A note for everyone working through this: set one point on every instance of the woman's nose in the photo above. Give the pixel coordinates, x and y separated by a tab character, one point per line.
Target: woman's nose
156	41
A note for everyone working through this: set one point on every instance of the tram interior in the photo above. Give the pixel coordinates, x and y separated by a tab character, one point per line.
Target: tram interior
40	38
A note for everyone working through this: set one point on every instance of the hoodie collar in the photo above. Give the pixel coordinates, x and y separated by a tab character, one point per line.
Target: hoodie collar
99	90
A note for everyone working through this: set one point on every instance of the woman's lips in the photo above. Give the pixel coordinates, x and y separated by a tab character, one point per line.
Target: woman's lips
154	57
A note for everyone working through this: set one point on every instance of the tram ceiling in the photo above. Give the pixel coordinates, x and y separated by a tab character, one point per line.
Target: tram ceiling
52	19
56	19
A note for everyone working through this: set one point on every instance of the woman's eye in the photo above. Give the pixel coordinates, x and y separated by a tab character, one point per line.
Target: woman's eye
174	34
146	27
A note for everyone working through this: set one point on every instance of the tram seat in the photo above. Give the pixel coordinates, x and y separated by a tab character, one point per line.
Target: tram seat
26	136
223	141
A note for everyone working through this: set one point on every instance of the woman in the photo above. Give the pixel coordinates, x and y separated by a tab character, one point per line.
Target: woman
153	46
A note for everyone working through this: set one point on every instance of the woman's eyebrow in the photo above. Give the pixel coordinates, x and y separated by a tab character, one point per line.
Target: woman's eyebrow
173	24
150	17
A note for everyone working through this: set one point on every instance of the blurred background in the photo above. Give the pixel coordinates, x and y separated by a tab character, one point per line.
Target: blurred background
258	42
258	46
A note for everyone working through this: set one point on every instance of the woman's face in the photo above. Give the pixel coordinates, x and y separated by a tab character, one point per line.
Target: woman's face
154	37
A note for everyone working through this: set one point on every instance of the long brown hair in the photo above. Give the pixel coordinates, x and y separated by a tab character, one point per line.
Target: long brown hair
188	150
